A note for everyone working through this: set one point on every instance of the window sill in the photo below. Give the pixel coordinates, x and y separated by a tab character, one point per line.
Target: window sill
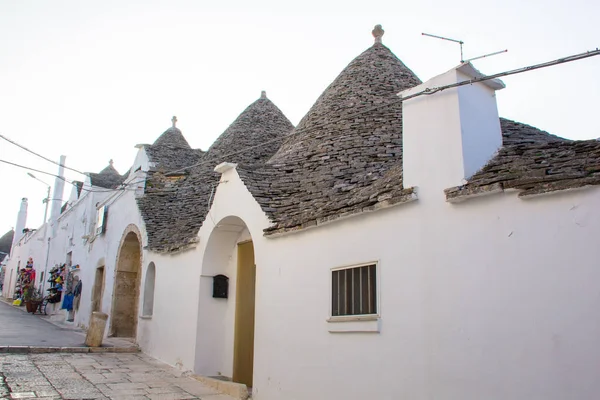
354	324
145	316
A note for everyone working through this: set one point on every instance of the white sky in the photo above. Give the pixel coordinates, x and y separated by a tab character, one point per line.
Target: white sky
92	79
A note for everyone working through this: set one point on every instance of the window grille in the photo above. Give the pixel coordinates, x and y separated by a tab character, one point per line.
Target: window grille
354	291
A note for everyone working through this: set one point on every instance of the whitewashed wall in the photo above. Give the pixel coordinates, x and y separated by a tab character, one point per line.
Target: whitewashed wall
189	328
103	251
30	245
492	298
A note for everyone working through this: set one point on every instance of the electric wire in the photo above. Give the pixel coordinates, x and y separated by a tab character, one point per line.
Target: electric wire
39	155
427	91
64	179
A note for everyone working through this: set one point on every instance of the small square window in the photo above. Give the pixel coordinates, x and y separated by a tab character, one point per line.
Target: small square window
354	291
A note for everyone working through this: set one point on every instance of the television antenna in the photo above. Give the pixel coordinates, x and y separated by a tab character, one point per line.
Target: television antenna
461	43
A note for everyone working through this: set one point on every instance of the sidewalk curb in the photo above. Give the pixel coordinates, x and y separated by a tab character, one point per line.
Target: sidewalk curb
40	350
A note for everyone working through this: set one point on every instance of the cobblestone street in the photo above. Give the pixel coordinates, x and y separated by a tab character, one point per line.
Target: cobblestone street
96	376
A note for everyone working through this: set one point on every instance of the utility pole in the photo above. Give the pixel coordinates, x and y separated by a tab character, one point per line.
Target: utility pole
47	199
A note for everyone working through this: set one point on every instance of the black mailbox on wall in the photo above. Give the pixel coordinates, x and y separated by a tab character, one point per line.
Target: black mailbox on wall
220	286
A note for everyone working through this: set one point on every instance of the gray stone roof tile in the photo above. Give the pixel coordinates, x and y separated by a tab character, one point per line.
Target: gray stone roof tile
344	158
174	210
171	151
534	162
108	178
345	155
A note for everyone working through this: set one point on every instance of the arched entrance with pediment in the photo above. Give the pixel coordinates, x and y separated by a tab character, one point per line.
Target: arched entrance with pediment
126	289
225	338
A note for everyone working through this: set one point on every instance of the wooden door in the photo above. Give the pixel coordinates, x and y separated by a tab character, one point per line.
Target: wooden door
243	347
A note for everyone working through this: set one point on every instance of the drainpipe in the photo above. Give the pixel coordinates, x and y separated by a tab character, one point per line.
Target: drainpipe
46	265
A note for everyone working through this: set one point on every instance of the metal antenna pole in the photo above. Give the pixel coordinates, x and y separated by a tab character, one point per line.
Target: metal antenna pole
487	55
460	42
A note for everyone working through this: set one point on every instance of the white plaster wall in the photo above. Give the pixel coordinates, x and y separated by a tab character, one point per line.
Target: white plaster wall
103	250
30	245
170	334
457	129
480	125
493	298
437	140
176	334
141	161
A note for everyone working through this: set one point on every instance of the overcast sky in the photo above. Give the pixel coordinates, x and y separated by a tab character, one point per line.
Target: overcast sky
90	80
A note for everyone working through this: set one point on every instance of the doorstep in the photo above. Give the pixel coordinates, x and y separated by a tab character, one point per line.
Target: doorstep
233	389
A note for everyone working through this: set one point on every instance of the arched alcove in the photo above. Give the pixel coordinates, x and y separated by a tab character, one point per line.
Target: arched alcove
98	289
148	303
225	335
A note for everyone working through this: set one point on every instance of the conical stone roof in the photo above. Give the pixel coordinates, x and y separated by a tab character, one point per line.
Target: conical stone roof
6	243
171	151
261	123
174	212
345	155
108	178
346	107
172	137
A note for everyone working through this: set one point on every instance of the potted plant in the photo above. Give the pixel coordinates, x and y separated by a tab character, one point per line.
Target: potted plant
27	295
35	300
32	298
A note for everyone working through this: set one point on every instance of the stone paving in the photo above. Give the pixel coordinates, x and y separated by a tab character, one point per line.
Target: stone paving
18	328
96	376
23	329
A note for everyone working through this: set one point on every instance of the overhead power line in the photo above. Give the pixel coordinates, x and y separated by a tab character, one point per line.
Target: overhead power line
427	91
39	155
68	181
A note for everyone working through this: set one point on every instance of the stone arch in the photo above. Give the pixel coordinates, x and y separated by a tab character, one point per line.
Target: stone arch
149	283
126	288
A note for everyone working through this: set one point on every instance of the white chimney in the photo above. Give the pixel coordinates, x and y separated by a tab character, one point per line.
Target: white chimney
59	186
451	134
21	222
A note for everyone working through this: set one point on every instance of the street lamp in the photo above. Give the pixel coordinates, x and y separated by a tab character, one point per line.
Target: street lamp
47	199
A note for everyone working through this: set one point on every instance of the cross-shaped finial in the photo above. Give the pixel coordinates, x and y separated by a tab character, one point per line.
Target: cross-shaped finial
110	162
378	33
174	121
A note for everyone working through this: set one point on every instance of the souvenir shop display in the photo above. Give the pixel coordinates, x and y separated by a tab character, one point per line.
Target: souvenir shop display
69	289
26	290
56	281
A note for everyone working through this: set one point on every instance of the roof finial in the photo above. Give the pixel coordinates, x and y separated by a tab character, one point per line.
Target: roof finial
378	33
174	121
110	162
263	94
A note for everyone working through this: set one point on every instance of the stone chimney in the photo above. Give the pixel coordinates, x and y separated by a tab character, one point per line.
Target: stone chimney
450	134
59	187
21	222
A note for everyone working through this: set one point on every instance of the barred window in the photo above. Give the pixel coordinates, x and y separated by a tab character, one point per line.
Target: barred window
354	291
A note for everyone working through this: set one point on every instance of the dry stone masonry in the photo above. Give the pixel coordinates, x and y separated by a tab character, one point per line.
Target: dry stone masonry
174	211
343	158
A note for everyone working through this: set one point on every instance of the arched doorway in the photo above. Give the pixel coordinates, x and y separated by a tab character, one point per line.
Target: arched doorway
225	336
127	286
